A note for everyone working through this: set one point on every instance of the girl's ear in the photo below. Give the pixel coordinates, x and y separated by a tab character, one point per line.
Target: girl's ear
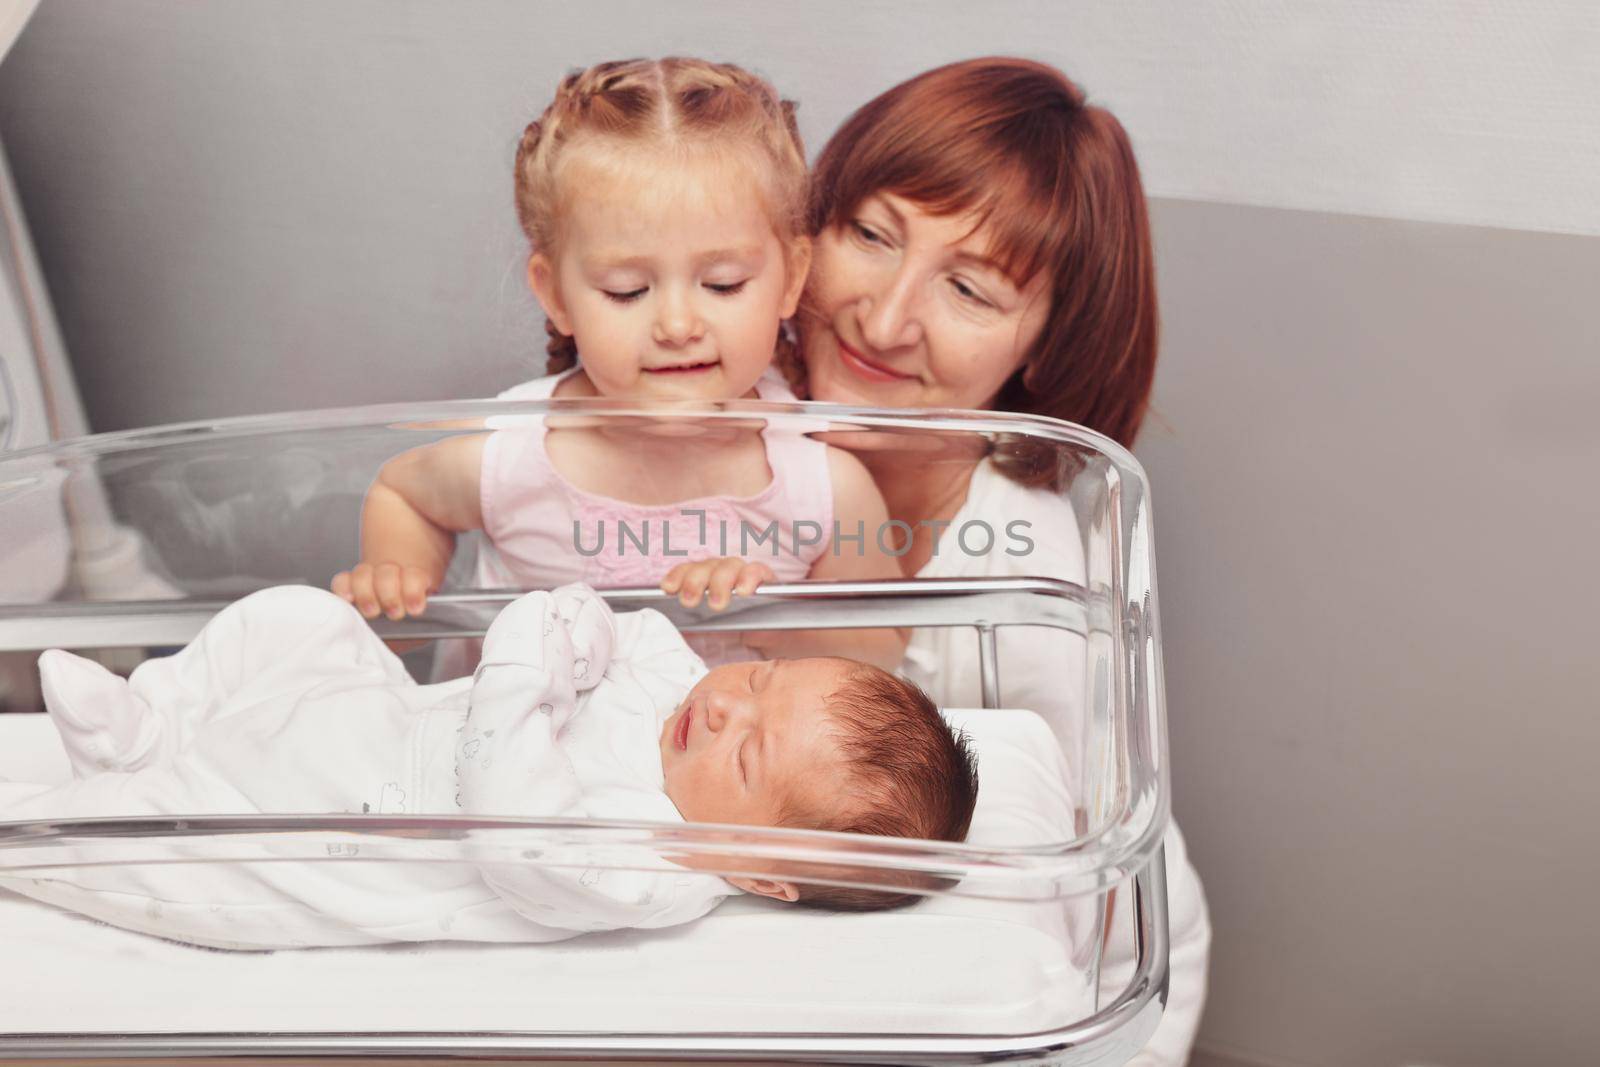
542	280
799	266
765	887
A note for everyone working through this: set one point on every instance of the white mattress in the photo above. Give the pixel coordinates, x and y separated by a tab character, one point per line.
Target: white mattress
949	965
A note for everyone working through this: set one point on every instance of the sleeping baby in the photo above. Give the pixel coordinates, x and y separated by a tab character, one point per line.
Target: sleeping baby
288	702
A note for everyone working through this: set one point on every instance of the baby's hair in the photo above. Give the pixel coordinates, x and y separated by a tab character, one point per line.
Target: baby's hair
674	103
912	776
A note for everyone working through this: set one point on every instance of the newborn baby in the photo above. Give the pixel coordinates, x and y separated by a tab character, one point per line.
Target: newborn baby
287	702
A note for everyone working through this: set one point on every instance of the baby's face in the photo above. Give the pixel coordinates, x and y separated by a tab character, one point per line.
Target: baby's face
752	740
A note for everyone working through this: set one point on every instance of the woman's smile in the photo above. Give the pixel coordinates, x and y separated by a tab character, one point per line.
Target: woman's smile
868	369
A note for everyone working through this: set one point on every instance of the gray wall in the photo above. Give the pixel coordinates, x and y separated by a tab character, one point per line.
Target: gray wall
1373	454
1375	498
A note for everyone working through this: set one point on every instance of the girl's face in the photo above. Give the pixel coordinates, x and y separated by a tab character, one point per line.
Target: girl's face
669	276
905	309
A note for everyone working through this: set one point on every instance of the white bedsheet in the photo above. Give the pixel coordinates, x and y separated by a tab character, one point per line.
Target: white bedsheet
949	965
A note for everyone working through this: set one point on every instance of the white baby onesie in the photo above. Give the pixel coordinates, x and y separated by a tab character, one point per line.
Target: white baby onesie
287	702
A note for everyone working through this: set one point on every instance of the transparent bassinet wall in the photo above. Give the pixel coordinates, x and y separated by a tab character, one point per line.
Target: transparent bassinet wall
121	546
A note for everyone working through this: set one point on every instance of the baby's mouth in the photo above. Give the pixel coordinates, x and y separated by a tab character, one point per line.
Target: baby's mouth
681	736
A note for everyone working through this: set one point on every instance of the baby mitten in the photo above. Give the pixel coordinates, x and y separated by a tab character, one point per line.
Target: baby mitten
592	629
104	725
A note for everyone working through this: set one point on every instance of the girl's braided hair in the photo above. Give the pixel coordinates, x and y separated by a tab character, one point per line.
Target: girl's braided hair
674	103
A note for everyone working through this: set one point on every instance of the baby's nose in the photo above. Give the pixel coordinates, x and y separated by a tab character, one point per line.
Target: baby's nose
723	706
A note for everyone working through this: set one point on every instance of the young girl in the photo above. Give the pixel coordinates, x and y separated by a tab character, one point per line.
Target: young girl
664	205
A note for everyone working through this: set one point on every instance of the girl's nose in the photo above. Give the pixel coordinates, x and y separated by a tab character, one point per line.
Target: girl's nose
888	317
677	322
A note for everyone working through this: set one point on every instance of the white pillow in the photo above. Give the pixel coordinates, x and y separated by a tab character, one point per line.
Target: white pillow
1022	778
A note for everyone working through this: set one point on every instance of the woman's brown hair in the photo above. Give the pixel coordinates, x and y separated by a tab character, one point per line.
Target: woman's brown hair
1013	143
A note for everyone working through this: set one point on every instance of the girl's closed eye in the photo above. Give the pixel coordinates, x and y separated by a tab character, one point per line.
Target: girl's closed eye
626	296
727	288
744	777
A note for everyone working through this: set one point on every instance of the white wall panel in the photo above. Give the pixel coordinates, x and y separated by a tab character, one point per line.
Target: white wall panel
1449	111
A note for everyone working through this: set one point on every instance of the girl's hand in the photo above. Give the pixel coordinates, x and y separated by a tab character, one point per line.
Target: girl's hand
384	588
716	579
409	521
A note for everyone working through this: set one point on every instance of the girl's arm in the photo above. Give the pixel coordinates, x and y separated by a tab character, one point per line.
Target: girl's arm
419	502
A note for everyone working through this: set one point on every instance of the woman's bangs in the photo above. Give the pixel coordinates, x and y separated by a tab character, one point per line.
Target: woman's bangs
1027	224
1028	227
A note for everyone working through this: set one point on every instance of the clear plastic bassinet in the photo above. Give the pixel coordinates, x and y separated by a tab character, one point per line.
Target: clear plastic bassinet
121	546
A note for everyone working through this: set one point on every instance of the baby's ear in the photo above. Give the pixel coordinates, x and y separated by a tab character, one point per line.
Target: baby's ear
542	280
765	887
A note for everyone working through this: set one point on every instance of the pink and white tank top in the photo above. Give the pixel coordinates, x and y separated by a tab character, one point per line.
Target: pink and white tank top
543	531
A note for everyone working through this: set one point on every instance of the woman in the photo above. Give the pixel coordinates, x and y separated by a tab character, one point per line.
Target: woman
981	241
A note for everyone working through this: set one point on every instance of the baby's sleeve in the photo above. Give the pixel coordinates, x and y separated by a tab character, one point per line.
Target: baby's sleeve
657	657
539	653
523	693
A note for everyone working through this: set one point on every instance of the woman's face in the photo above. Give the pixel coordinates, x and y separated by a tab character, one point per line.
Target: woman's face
906	309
